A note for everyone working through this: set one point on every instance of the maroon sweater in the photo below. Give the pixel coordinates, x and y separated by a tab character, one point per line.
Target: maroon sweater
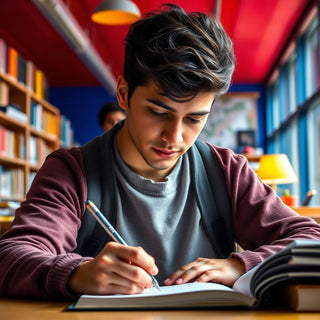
36	256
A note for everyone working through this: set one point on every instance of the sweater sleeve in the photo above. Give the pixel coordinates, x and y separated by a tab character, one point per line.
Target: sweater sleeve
36	256
262	223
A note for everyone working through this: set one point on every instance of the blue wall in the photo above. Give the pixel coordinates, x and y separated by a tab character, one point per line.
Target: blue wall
81	105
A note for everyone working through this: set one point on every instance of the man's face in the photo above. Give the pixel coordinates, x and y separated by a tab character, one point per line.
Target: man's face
111	119
158	130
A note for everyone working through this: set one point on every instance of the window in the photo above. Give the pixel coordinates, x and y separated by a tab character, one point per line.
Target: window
289	146
273	120
312	59
292	80
313	120
293	111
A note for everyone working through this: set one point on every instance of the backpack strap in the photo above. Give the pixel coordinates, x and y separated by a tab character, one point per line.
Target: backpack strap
213	199
98	164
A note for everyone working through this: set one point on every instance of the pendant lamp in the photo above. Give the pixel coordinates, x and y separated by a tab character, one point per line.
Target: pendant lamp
116	12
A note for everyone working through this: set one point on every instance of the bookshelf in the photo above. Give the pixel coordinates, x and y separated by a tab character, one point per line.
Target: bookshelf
24	144
30	127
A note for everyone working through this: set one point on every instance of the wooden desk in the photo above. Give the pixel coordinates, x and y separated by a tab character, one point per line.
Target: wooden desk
31	310
309	211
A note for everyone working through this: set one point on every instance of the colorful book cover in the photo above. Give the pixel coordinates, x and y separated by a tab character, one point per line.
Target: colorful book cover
3	140
39	83
12	62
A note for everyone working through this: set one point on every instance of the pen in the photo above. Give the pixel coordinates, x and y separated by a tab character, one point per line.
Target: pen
107	226
308	197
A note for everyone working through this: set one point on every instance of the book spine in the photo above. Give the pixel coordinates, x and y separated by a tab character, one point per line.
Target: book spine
12	183
66	132
39	83
3	56
22	70
3	140
4	94
12	63
36	116
30	75
19	142
33	158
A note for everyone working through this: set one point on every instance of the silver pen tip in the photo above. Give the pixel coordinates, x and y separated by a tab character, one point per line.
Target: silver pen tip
155	283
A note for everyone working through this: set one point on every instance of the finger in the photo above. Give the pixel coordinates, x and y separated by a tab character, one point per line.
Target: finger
115	284
216	276
188	272
225	271
131	289
135	255
112	265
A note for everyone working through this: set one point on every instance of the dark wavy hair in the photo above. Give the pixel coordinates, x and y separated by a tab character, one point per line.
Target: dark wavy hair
112	106
181	53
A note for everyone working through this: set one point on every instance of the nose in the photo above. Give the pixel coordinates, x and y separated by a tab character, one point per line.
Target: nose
172	133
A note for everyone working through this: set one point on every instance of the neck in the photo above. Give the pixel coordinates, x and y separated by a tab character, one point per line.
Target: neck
135	161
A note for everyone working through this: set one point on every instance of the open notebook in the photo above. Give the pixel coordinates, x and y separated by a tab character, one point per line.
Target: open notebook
298	263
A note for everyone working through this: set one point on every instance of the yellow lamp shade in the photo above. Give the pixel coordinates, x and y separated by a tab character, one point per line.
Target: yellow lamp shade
276	169
116	12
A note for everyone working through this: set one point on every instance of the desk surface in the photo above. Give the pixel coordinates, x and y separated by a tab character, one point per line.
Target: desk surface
31	310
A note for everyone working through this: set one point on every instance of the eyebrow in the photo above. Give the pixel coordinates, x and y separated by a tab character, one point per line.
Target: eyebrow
162	105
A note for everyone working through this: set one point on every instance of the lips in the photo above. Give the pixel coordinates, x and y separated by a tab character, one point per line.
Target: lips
164	153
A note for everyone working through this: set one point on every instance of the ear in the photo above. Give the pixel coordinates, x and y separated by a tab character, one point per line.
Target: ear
122	92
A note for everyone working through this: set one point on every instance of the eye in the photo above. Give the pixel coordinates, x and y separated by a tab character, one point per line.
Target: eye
194	120
157	113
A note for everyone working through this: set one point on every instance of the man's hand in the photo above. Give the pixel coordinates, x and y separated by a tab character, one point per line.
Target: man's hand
225	271
117	269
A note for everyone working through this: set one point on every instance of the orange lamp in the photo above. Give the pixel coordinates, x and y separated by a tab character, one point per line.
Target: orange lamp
116	12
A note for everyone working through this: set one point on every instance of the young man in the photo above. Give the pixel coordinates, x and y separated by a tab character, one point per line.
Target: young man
110	114
144	173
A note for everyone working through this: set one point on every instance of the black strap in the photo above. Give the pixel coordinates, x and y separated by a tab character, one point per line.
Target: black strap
98	163
213	198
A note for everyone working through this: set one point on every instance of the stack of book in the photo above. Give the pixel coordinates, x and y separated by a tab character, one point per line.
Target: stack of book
14	112
8	208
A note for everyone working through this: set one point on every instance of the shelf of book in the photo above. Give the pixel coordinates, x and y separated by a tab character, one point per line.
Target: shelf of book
30	127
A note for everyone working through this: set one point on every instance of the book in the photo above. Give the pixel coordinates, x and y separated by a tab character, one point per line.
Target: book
3	56
39	83
3	141
6	212
303	297
12	184
22	70
11	204
13	112
8	208
30	75
4	93
299	263
12	62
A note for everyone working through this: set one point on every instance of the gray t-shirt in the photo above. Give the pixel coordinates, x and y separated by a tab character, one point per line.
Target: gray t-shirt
161	217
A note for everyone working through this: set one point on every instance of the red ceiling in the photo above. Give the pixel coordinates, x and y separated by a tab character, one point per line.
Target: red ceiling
258	28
